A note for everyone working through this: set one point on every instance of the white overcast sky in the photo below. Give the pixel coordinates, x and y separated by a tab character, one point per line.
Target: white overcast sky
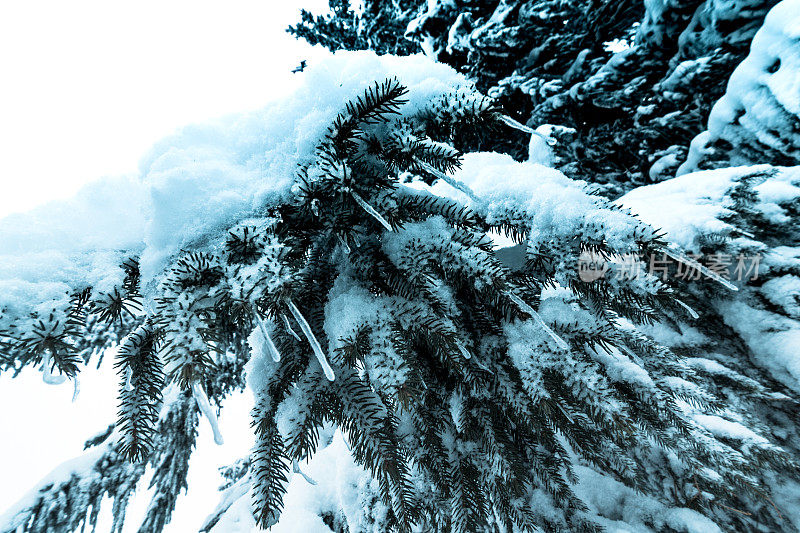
87	87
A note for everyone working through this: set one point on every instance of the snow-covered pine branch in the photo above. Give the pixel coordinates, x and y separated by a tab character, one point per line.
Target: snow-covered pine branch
254	218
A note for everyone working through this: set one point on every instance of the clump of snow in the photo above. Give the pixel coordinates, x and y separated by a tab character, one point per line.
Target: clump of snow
233	512
784	291
540	146
207	177
547	201
772	337
418	28
760	110
650	29
621	368
728	429
694	207
49	252
622	509
349	307
697	204
192	185
16	515
687	206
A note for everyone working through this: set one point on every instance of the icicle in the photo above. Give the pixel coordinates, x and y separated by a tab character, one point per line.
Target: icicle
688	309
296	470
508	121
457	411
289	327
482	366
371	210
312	340
565	413
205	408
454	183
47	374
530	310
273	350
76	388
128	385
688	261
740	231
464	351
345	246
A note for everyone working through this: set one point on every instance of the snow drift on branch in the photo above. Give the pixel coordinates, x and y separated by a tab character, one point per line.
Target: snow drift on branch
192	186
741	211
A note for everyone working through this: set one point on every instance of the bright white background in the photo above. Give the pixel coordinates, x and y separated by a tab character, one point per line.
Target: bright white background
87	87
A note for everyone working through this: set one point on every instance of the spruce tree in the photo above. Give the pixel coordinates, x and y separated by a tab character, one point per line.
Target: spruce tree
758	118
470	381
377	27
630	83
745	338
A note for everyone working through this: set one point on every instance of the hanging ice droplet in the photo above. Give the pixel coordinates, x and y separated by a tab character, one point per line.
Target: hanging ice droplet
345	246
691	311
745	233
371	210
538	319
76	388
315	207
454	183
205	408
481	366
47	374
312	340
273	350
564	412
464	351
296	470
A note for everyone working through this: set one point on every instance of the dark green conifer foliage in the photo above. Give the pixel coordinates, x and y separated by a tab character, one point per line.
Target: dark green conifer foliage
507	433
463	402
141	382
547	62
346	30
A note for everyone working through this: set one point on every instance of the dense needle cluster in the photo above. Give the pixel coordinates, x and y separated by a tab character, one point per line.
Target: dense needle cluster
470	381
